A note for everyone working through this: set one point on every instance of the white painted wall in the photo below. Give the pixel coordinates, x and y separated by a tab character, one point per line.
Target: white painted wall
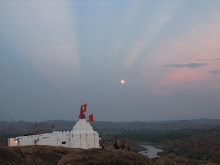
82	136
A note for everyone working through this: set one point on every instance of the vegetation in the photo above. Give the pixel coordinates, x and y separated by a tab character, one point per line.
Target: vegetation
28	134
156	136
6	136
202	146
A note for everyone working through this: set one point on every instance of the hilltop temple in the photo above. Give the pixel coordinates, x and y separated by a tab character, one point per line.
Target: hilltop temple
81	136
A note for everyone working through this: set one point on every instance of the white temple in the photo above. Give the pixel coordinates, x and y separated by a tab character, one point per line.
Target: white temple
81	136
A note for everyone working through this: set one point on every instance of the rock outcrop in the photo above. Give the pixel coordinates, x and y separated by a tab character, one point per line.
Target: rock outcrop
175	160
46	155
51	155
107	157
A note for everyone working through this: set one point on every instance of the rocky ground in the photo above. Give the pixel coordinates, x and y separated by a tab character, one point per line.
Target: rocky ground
108	137
49	155
3	142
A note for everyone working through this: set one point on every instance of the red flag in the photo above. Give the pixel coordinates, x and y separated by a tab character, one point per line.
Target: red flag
84	106
91	118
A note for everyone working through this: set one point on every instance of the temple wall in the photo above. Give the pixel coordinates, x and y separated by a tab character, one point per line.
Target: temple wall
12	142
85	140
82	136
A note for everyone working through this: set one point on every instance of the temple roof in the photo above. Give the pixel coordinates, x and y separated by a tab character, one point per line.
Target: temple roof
83	126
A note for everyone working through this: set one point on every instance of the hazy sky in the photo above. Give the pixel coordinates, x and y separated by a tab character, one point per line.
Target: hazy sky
55	53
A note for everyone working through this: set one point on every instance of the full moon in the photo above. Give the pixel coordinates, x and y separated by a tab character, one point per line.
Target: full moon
122	81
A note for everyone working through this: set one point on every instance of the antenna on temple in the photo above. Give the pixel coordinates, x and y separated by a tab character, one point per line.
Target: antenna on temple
53	128
36	129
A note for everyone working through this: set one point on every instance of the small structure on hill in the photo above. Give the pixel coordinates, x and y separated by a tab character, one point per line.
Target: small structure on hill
81	136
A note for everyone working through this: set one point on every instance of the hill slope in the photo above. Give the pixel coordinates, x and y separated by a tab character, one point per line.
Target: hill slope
201	146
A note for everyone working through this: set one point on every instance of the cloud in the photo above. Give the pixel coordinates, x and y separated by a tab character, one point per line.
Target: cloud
215	59
188	65
214	71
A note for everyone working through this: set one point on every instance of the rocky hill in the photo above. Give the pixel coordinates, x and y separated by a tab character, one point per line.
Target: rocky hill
202	146
16	128
49	155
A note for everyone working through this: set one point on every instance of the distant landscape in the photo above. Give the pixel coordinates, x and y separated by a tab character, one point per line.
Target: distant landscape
147	131
197	139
